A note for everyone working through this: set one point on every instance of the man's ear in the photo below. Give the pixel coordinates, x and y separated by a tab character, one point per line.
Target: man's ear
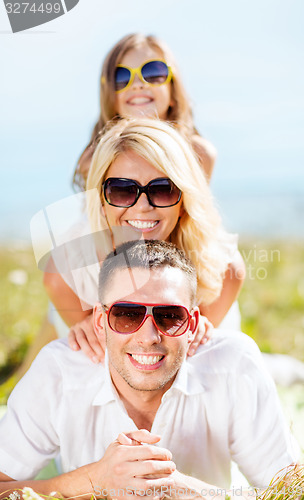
98	318
194	322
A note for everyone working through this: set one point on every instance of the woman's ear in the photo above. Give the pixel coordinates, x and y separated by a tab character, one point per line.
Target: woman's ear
194	322
98	319
182	210
102	209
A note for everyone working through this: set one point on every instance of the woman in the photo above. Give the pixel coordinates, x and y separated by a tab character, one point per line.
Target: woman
176	204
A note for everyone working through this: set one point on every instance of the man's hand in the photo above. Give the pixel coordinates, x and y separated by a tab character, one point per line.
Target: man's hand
133	466
204	333
190	488
83	336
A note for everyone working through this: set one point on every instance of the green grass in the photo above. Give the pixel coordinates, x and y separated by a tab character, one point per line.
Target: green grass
272	299
22	306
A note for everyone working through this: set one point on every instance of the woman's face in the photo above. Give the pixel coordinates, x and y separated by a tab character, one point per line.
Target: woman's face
140	98
153	222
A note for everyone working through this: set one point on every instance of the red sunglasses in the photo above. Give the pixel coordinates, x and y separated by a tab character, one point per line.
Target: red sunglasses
128	317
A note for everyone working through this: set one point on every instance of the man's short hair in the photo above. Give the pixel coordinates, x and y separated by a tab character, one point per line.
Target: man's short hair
147	254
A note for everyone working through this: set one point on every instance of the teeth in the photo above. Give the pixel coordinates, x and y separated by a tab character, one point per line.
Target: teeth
146	360
139	100
140	224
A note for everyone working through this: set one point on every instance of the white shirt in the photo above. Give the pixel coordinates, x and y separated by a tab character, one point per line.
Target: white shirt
221	406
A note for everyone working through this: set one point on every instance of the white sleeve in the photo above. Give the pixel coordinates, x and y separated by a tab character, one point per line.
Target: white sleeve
259	433
28	434
77	263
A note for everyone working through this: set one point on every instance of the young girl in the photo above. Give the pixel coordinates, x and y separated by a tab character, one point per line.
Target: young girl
140	78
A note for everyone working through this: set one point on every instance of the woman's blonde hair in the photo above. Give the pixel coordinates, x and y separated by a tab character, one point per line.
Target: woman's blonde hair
179	112
199	232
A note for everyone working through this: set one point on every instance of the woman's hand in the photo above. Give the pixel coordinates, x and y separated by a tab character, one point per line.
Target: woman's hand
83	336
204	333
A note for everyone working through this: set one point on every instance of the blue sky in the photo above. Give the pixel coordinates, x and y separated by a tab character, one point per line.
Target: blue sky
242	66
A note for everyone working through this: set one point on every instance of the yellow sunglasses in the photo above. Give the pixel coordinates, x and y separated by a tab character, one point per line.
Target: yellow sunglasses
155	72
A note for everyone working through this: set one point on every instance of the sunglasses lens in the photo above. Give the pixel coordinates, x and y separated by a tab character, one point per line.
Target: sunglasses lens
163	193
121	78
171	320
155	72
120	192
126	318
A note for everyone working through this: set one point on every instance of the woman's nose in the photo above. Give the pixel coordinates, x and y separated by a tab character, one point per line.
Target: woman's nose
143	203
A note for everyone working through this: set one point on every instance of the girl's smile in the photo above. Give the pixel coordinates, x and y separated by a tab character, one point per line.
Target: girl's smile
142	99
139	100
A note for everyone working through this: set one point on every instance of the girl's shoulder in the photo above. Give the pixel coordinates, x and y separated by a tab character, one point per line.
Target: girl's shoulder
206	153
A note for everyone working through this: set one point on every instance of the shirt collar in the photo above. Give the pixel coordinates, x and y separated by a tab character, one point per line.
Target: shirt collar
186	382
107	391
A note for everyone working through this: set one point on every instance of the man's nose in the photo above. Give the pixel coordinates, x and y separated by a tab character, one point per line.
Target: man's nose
148	333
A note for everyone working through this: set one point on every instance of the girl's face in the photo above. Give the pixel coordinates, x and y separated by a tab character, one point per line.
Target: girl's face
152	222
140	98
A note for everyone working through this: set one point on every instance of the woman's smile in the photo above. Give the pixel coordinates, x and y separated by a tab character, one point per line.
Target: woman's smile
143	225
154	222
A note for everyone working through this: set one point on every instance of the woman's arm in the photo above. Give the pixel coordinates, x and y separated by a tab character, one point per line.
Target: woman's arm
232	284
82	334
62	296
206	153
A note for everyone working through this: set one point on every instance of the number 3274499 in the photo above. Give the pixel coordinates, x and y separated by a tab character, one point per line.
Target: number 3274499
23	7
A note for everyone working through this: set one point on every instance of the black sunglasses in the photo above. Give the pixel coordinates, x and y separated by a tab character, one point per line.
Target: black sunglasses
161	192
128	317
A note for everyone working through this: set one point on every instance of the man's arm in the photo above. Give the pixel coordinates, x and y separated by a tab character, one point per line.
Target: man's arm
260	441
69	485
123	472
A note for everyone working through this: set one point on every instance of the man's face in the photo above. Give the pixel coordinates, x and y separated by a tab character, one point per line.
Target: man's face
147	360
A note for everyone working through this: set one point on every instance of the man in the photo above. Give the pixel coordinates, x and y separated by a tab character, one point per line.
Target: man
194	416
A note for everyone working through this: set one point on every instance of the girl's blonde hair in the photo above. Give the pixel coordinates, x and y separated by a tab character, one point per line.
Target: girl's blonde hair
179	112
199	232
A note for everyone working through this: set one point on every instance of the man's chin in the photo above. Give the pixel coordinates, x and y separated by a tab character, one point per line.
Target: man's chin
145	387
148	381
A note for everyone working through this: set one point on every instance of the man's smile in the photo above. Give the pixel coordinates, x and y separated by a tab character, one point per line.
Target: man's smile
146	361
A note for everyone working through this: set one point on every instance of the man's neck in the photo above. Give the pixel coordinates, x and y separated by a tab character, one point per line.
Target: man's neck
141	406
